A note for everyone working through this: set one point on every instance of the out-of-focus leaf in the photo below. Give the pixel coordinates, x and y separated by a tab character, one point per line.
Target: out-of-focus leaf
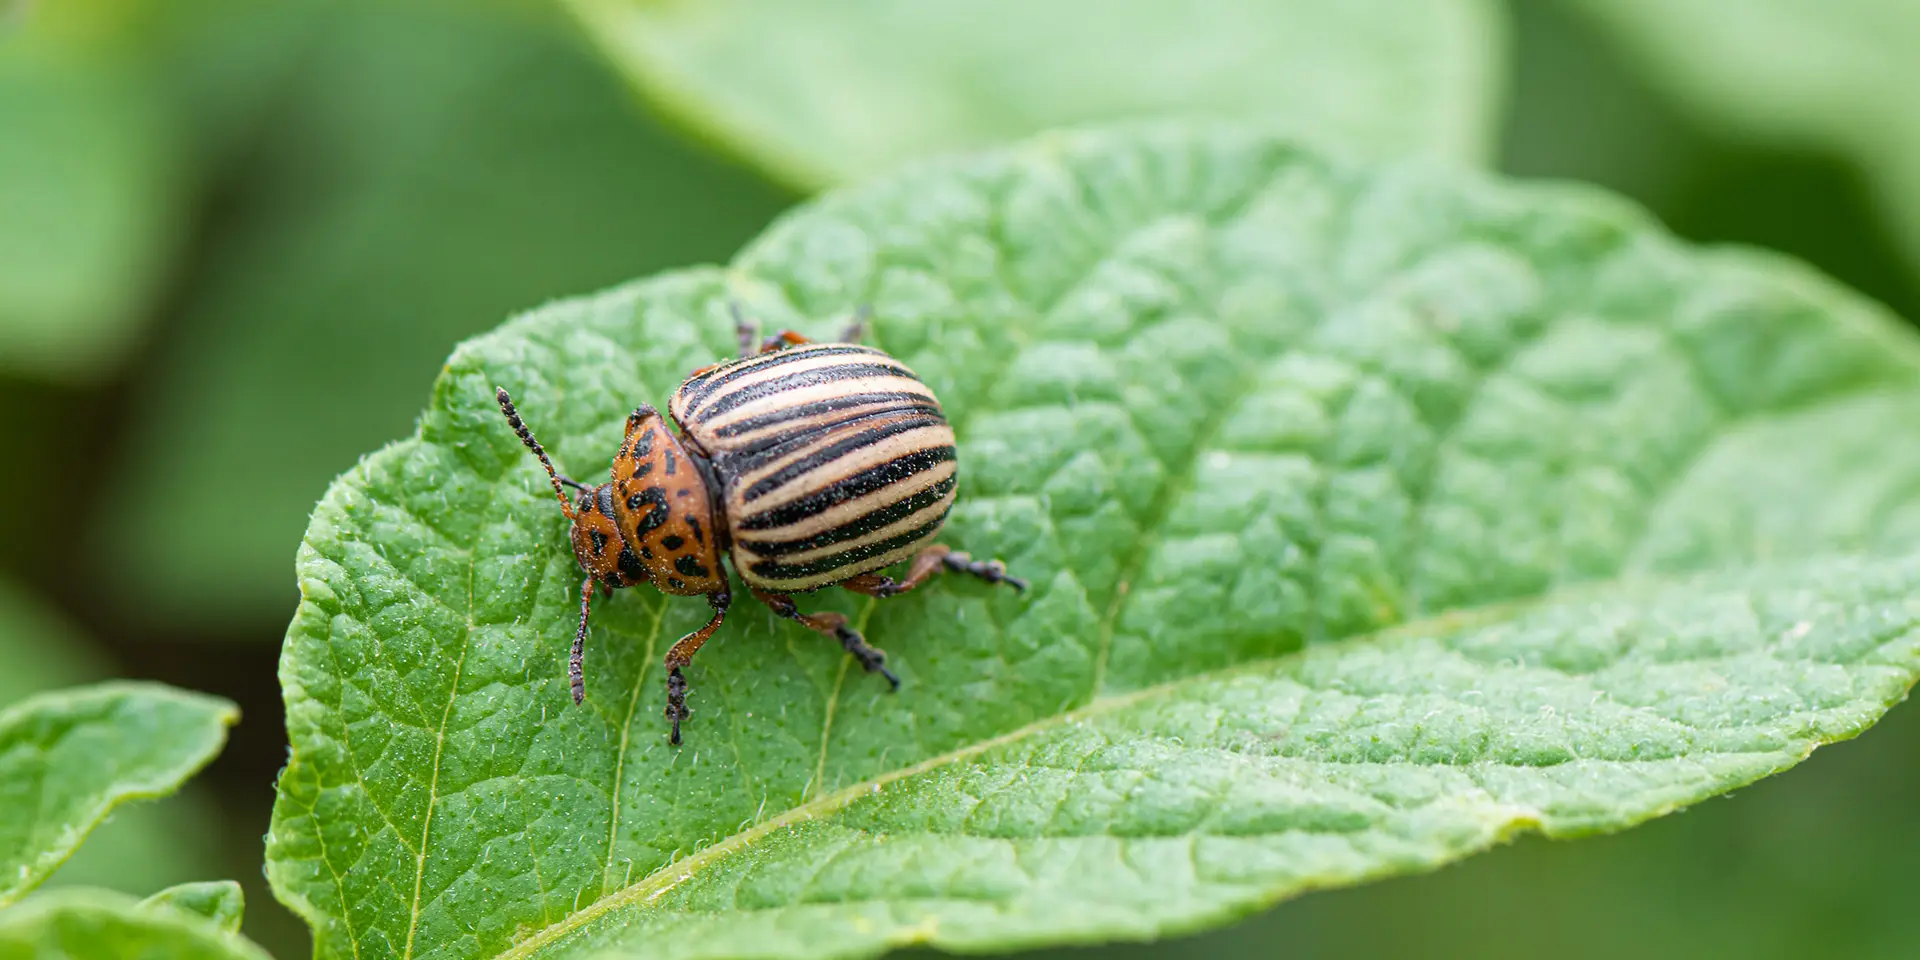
1579	113
220	901
141	847
98	925
432	167
68	757
1834	75
92	188
824	92
1374	516
1817	864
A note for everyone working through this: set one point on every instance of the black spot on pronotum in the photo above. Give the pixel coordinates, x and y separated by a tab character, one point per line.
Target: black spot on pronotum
645	468
693	522
643	445
673	463
676	583
655	500
599	541
690	566
673	541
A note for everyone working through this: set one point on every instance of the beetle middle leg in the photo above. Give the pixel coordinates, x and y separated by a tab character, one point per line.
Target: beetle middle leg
681	655
927	563
872	658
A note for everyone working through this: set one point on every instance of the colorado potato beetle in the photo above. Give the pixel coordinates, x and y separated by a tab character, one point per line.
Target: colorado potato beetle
809	464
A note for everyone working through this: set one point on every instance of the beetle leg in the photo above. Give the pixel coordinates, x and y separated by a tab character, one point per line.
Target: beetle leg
785	338
872	658
682	654
927	563
747	332
576	674
856	327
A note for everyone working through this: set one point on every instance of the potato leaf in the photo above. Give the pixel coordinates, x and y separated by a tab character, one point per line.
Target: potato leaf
88	924
1373	515
68	757
822	92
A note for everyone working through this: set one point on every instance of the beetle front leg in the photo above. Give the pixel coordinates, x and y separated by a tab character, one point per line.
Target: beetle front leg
682	654
576	672
872	659
927	563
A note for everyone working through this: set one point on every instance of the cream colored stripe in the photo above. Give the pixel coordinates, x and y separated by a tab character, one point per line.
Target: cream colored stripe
892	448
854	569
805	393
918	518
819	421
842	513
820	439
769	373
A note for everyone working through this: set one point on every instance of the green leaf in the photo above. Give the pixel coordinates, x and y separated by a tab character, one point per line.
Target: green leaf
144	846
477	162
84	924
68	758
218	900
822	92
1798	73
92	188
1373	516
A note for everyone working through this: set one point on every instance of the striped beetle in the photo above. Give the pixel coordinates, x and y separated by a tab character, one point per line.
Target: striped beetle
810	464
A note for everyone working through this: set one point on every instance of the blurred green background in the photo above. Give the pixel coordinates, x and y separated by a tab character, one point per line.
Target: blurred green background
237	239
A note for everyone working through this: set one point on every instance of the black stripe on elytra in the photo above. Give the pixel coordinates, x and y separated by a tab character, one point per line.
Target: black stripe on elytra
846	401
697	389
859	526
826	454
775	570
857	485
750	457
655	500
799	380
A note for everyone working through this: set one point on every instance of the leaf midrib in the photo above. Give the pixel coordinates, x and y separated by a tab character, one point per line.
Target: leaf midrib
664	879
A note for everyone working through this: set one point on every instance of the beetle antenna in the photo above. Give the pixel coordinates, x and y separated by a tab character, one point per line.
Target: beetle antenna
526	436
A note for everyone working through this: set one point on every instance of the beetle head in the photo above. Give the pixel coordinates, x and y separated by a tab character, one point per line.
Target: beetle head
596	539
595	534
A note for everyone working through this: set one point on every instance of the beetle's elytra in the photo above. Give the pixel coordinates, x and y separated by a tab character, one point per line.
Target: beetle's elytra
810	464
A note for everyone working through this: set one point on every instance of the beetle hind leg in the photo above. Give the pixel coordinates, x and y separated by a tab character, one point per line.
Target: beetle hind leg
929	562
872	659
